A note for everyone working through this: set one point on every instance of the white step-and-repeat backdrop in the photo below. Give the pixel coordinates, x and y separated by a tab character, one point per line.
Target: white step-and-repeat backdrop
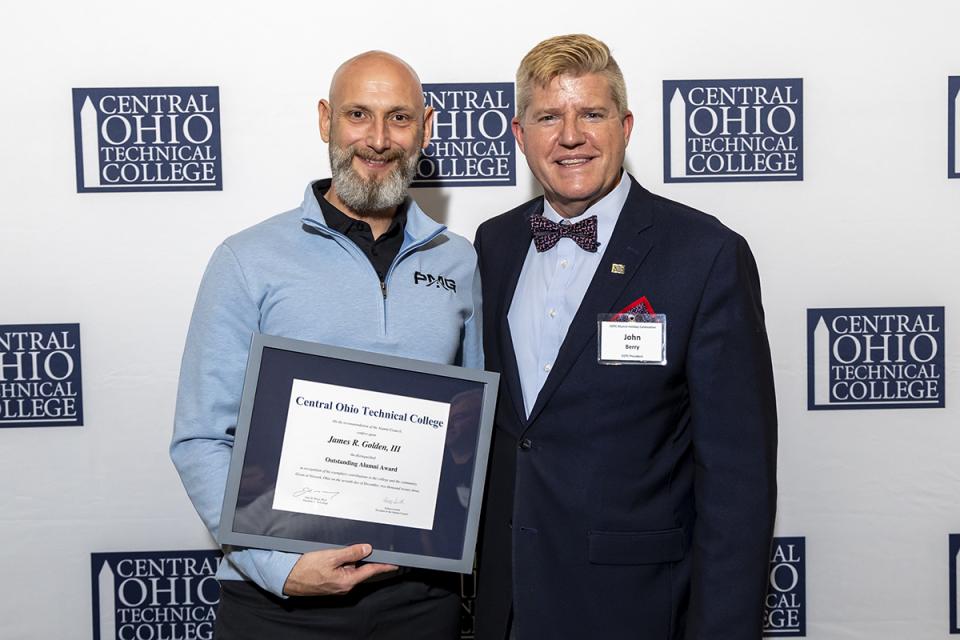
825	133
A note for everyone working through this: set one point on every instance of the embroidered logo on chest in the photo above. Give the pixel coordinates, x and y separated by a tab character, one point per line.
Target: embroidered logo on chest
429	280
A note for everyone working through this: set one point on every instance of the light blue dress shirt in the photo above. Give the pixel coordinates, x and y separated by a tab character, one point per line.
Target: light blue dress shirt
551	286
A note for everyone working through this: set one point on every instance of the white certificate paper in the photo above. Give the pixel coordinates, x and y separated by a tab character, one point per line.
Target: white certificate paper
361	455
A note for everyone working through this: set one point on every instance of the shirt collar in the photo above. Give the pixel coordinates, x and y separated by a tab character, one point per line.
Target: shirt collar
607	209
419	228
339	221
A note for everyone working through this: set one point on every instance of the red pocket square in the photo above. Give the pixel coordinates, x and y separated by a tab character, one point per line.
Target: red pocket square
636	305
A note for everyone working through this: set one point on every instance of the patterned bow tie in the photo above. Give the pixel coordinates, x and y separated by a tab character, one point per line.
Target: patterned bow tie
547	233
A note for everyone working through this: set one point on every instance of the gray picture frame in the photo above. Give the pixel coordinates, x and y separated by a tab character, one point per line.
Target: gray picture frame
490	381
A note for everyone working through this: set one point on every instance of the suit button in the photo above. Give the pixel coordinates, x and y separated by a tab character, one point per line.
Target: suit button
525	444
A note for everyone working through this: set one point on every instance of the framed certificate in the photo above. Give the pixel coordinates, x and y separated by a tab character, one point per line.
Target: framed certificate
336	446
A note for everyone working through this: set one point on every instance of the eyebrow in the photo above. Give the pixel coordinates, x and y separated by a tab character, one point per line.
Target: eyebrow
585	109
589	109
354	106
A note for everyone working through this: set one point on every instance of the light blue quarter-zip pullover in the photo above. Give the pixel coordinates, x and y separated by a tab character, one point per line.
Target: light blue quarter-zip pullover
295	277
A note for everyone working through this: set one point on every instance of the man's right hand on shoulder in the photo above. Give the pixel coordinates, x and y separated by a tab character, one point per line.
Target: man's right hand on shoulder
332	571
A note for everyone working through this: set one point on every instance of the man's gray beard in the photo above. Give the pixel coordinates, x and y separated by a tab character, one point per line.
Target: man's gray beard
370	196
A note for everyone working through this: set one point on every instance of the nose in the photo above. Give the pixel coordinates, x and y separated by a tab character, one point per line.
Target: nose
571	136
378	137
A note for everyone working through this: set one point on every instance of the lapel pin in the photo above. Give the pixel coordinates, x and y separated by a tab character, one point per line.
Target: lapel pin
619	269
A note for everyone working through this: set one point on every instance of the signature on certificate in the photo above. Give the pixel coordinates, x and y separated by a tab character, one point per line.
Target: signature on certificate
323	497
393	500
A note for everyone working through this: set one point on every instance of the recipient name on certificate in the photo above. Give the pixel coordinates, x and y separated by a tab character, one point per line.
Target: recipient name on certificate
361	455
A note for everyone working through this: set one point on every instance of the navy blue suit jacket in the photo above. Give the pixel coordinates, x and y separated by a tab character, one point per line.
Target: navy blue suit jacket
635	501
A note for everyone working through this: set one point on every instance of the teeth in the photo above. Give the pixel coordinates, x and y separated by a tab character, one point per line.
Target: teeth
574	161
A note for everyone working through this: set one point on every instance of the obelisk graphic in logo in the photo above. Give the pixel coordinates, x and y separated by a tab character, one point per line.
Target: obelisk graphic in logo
954	583
821	363
956	134
90	146
108	609
678	135
956	592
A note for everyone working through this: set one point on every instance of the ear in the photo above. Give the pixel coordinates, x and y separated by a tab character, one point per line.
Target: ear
325	112
427	127
518	132
627	127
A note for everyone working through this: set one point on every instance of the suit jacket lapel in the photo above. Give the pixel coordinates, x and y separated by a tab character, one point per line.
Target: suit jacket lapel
629	247
517	243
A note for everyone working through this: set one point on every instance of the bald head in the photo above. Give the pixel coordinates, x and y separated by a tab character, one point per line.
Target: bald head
376	71
376	123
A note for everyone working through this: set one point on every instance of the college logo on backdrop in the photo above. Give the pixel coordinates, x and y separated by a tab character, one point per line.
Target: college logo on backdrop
472	143
147	139
40	382
785	605
953	141
955	583
875	358
732	130
468	600
154	595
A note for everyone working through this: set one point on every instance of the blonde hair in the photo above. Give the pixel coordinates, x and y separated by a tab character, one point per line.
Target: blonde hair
576	55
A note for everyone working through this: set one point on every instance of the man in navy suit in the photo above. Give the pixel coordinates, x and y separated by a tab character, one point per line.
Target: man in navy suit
631	501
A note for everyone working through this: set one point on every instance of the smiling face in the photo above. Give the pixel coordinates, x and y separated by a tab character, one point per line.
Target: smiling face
376	124
574	139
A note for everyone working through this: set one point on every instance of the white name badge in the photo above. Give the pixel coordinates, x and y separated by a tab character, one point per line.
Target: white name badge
632	339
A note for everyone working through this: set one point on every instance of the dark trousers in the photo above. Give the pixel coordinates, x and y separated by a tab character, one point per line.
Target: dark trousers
415	605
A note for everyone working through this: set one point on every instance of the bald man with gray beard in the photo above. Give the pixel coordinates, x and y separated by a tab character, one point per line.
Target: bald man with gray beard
330	271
